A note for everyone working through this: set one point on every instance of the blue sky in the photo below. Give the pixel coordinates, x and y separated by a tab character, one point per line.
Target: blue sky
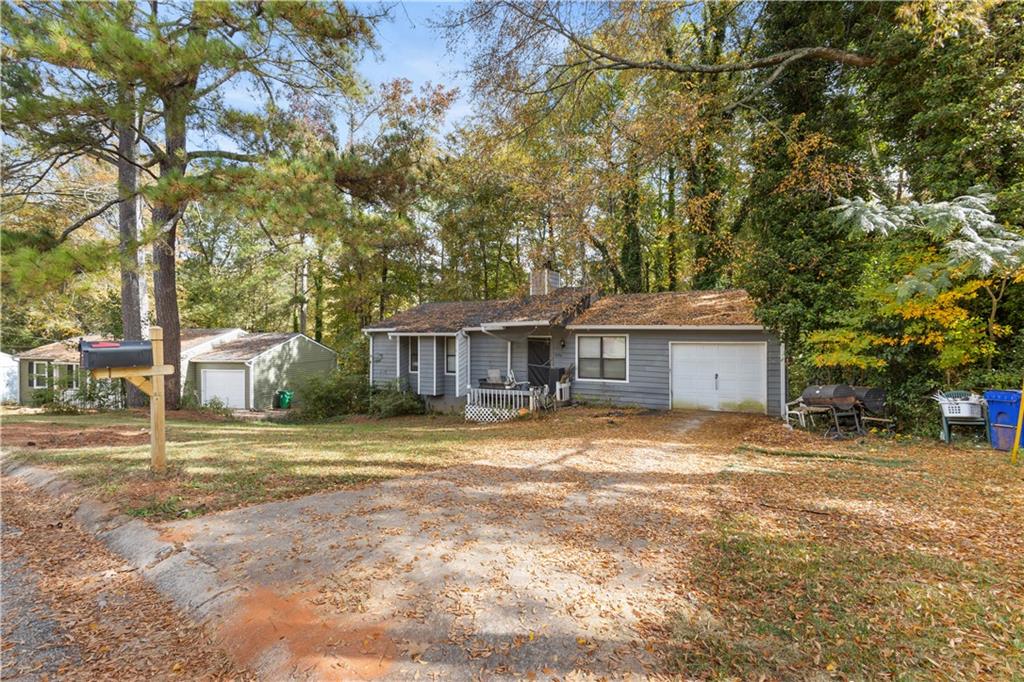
410	48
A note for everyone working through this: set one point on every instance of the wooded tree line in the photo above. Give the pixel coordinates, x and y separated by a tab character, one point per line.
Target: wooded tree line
634	146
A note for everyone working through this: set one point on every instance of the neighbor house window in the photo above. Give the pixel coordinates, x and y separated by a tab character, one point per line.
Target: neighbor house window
449	355
602	357
38	375
69	375
414	353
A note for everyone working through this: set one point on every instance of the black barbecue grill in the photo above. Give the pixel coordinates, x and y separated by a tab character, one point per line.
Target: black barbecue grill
847	408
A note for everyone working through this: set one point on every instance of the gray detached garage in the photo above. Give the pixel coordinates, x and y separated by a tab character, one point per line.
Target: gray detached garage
246	372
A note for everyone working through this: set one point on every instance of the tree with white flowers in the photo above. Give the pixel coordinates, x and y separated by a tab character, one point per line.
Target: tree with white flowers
974	243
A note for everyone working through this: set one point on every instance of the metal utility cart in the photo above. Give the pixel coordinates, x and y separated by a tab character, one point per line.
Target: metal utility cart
960	408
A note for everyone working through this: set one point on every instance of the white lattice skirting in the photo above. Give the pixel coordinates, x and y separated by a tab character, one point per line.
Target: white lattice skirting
482	413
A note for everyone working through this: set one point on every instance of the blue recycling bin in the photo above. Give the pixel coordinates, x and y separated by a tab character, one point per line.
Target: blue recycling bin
1003	411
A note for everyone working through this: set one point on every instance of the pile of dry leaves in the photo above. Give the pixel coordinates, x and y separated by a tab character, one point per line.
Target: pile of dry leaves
108	622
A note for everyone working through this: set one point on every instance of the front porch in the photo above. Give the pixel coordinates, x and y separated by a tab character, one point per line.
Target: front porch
504	404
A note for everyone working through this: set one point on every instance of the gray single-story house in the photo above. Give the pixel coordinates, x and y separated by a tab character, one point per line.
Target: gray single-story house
246	372
240	369
692	350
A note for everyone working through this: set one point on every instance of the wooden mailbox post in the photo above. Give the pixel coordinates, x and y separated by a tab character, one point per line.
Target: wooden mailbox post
149	380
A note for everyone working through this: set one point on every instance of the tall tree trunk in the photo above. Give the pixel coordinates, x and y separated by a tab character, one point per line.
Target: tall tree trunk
706	171
670	213
133	282
318	298
303	304
631	254
167	210
383	298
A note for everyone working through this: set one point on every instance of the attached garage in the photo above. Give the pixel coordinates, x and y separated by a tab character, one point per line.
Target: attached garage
722	376
700	350
244	374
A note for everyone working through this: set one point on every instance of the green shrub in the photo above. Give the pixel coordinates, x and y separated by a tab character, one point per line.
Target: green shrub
334	395
55	400
216	406
395	401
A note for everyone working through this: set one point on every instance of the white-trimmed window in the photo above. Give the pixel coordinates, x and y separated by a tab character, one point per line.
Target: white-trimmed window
601	358
414	354
449	355
38	375
68	375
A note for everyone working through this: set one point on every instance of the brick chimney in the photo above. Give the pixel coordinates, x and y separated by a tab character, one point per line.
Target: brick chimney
544	280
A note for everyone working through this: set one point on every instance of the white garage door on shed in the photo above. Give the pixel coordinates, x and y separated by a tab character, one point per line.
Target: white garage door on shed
727	377
226	385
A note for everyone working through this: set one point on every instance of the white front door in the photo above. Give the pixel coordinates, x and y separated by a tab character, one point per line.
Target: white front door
728	377
226	385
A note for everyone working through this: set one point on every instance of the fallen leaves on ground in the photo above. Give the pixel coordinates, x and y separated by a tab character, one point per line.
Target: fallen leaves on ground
121	626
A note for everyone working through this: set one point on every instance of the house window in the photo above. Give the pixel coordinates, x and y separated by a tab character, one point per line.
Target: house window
414	354
38	375
449	355
69	375
601	357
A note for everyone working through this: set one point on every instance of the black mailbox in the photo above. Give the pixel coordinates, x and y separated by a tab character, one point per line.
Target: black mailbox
102	354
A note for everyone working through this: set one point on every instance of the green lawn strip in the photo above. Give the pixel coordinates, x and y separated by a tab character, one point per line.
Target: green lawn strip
787	607
812	454
218	465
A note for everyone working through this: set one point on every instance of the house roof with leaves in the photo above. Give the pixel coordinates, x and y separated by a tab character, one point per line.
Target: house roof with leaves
726	308
245	347
554	308
67	350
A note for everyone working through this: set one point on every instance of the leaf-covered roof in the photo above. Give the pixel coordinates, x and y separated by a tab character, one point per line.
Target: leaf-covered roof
673	308
554	308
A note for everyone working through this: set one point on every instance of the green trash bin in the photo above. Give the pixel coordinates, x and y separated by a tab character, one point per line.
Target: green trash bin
283	399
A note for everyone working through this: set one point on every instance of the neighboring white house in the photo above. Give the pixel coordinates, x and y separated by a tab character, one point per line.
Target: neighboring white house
8	378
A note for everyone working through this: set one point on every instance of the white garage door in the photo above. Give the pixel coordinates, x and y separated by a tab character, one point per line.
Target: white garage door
227	385
729	377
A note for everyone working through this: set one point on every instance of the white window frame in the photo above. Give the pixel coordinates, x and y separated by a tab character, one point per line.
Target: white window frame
414	342
601	381
454	355
33	374
70	368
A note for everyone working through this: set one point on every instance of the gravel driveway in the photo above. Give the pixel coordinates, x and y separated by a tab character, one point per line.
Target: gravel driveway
525	564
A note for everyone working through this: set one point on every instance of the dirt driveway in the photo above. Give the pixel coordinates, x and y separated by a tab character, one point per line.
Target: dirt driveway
527	563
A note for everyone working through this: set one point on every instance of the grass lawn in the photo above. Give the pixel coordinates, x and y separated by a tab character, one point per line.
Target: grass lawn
216	465
887	561
799	558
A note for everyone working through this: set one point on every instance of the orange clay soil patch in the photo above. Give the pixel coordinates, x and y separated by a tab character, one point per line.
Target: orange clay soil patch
48	436
176	535
280	634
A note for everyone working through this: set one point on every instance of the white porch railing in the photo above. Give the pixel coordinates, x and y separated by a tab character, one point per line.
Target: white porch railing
498	404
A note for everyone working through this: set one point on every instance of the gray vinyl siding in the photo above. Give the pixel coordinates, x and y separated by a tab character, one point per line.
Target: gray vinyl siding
428	361
648	372
289	366
407	378
562	357
384	358
649	380
440	384
486	352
